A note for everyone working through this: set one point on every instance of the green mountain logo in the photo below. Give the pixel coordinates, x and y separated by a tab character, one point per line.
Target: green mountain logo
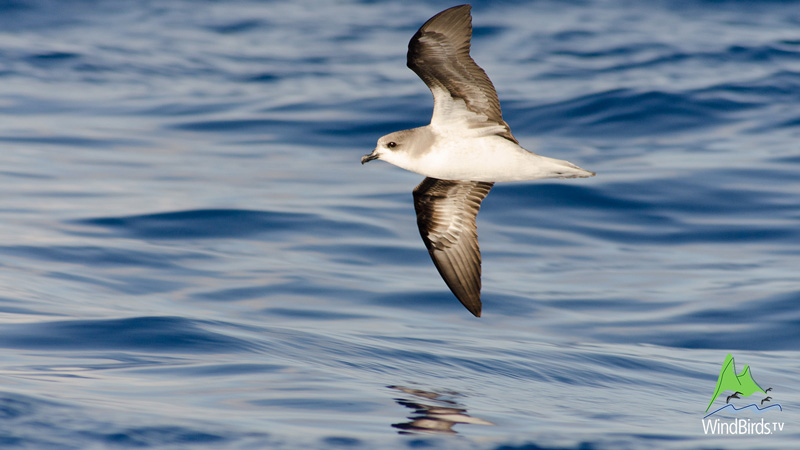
741	384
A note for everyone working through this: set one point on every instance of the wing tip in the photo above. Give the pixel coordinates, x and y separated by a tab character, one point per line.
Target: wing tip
452	14
472	305
476	313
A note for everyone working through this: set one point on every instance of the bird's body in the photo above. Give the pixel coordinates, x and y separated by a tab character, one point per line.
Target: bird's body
474	158
462	152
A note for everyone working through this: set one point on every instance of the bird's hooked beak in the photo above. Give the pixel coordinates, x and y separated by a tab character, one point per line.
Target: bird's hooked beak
367	158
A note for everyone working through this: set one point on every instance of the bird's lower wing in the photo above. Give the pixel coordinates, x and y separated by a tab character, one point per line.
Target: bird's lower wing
446	212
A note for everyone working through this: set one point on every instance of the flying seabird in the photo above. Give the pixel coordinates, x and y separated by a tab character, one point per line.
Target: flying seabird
766	399
465	149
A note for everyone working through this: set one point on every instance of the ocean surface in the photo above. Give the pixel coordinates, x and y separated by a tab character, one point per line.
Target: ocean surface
191	255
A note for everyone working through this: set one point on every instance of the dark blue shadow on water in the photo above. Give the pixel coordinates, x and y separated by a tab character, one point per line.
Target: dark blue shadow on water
444	302
625	113
224	223
156	436
655	213
147	334
71	426
760	324
98	256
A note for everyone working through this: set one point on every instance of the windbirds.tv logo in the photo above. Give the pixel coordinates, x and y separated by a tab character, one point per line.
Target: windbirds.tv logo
732	385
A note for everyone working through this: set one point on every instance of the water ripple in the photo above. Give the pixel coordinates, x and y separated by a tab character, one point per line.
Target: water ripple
192	256
146	334
624	113
221	223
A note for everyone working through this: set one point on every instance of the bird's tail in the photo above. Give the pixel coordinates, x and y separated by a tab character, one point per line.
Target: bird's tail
558	168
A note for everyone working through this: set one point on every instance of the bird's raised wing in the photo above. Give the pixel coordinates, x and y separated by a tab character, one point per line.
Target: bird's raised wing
446	212
463	95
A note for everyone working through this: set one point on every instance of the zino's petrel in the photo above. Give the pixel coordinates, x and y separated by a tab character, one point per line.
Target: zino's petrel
465	149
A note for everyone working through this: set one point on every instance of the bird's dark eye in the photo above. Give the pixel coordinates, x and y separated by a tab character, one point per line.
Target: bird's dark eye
392	144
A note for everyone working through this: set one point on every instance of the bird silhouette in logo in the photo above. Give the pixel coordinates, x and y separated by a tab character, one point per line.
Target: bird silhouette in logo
766	400
734	395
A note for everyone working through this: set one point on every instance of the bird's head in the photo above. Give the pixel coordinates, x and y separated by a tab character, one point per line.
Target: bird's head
402	148
390	147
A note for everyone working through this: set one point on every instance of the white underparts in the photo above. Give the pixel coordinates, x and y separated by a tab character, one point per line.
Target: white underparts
486	158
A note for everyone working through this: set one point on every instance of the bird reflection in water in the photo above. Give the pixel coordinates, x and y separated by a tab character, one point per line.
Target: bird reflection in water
432	418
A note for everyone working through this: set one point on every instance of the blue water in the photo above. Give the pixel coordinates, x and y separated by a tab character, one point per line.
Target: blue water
191	255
